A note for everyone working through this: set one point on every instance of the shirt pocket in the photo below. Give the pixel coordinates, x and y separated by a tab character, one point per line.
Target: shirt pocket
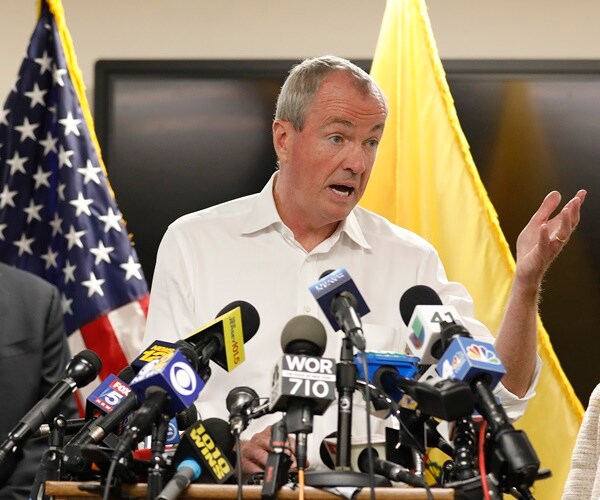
383	338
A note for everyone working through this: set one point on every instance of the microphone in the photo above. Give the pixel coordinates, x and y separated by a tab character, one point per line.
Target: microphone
303	383
468	359
223	339
240	403
422	311
168	386
478	364
176	376
187	417
171	440
388	469
72	426
417	431
210	445
393	373
97	429
80	371
187	471
405	365
154	351
107	396
342	304
301	372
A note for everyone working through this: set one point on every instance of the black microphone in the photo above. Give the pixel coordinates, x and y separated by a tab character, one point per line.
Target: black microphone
96	429
167	386
223	339
447	399
417	431
187	417
418	295
342	304
210	444
240	402
388	469
155	403
80	371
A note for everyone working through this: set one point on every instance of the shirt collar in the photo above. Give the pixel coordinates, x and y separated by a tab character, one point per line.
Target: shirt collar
264	214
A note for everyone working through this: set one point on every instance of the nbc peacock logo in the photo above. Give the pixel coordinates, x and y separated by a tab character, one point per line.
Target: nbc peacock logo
482	353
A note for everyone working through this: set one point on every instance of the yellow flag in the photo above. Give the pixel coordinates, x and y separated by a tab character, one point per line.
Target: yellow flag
425	180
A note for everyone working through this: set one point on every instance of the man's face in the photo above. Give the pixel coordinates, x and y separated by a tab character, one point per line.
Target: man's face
324	169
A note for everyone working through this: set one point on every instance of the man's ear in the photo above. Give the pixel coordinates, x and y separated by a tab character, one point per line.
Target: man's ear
282	137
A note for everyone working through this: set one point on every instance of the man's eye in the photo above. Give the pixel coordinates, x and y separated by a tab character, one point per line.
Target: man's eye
336	139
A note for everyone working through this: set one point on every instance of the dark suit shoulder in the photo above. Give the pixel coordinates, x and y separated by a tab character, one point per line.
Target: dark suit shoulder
21	282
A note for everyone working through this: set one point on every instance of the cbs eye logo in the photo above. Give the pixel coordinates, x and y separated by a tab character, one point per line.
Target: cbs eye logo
183	378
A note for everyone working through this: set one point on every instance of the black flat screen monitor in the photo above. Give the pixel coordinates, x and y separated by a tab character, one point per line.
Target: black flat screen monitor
179	136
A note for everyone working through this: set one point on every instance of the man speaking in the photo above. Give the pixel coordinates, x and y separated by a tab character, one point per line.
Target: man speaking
268	249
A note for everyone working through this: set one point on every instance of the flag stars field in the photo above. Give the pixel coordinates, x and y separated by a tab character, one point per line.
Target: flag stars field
58	215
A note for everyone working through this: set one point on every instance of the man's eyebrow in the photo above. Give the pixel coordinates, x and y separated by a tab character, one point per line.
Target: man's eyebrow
350	124
378	127
340	121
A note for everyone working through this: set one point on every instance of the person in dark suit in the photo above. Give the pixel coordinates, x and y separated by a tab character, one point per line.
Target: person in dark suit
33	356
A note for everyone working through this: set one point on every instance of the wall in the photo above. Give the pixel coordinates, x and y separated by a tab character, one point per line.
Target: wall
267	29
231	29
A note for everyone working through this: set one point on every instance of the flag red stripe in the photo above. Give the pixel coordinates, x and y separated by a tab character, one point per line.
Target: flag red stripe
100	337
144	301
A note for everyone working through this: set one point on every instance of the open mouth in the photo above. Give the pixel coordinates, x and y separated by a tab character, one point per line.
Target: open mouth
341	190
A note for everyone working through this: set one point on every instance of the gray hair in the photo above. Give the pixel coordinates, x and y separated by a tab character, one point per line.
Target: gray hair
304	81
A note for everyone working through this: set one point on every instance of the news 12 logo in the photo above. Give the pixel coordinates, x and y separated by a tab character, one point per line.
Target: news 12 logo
481	353
155	351
112	395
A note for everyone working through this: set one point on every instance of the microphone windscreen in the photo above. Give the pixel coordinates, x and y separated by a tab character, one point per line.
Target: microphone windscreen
418	295
188	352
250	317
325	273
84	367
238	397
304	335
220	432
127	374
187	417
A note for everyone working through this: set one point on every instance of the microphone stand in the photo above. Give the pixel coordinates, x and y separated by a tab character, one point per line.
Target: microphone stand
50	466
346	375
278	462
156	470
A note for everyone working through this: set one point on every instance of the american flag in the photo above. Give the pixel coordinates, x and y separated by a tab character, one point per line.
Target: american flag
58	215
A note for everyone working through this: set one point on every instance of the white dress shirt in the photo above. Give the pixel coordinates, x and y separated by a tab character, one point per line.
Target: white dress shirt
241	250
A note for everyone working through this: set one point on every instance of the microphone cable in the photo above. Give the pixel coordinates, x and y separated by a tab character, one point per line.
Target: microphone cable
109	477
482	470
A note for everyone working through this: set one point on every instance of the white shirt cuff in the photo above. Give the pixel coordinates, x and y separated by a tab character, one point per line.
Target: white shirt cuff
514	406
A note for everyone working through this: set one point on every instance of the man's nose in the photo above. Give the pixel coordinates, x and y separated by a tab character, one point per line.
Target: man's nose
356	161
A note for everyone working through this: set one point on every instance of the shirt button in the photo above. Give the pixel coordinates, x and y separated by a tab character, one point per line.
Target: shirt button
307	309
